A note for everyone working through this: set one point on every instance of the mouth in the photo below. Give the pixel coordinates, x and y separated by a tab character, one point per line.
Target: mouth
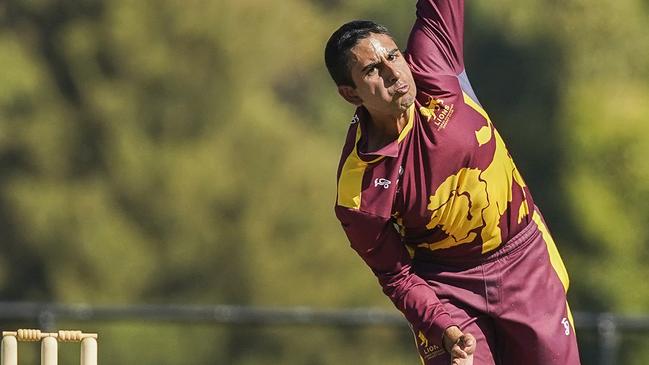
401	88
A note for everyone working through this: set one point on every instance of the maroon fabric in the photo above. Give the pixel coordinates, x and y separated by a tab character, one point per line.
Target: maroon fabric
513	303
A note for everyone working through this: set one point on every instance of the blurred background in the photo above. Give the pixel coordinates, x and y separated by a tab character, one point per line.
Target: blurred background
184	153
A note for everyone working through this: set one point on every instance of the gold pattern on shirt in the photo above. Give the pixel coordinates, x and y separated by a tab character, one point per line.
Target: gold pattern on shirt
473	200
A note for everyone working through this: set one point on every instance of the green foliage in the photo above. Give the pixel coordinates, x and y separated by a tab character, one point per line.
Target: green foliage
164	151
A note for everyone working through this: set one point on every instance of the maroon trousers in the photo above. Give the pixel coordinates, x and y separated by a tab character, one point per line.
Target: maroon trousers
513	302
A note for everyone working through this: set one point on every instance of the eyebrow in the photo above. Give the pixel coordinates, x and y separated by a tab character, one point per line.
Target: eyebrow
370	66
375	63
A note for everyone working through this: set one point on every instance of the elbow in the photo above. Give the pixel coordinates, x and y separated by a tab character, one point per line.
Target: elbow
397	284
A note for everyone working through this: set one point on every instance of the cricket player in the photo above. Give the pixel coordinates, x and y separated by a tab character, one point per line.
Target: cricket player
432	201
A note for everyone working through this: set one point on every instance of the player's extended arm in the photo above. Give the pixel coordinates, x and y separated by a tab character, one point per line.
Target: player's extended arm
378	243
436	42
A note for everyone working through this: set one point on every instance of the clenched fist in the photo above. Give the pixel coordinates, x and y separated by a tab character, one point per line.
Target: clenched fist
460	345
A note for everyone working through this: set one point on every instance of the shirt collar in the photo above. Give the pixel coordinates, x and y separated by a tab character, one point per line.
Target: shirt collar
389	150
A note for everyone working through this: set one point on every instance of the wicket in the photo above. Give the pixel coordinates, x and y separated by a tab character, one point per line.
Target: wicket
49	345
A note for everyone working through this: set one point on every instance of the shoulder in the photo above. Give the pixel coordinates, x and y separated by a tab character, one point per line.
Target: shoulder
351	139
435	81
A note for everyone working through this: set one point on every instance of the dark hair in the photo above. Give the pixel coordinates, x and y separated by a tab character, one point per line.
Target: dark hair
344	39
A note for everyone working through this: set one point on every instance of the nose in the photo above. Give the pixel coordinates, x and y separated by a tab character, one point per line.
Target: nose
391	73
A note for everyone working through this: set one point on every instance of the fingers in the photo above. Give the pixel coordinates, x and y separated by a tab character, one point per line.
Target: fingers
467	343
467	361
462	351
464	346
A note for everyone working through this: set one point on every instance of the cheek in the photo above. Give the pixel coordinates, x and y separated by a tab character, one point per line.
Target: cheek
407	72
376	88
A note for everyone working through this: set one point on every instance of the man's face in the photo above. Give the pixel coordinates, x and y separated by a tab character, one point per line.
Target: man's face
384	83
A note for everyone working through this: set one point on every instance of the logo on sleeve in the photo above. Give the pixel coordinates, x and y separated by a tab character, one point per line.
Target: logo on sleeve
426	349
385	183
437	112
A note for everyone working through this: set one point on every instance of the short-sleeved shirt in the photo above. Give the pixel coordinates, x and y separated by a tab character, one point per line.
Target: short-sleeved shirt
447	188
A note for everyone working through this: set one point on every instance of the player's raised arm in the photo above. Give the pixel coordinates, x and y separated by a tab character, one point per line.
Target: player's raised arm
437	38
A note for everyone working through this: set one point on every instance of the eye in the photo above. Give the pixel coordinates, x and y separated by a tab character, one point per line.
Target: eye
393	56
372	71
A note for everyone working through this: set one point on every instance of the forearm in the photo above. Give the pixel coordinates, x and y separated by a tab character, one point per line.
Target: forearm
378	243
417	301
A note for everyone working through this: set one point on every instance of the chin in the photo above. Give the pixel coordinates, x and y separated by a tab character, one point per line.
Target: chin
406	101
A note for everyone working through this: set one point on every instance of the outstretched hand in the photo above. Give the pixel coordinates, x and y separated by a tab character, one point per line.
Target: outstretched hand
460	345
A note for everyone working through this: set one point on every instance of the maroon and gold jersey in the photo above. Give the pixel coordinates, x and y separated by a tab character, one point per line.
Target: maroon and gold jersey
446	189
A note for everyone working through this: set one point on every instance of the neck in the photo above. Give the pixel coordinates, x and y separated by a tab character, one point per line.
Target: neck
385	129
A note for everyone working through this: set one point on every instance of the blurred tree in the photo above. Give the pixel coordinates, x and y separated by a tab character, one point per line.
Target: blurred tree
150	153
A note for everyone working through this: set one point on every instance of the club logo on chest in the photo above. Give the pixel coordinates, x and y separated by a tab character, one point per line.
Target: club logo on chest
437	112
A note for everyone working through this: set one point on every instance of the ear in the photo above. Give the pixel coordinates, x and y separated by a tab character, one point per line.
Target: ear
349	93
